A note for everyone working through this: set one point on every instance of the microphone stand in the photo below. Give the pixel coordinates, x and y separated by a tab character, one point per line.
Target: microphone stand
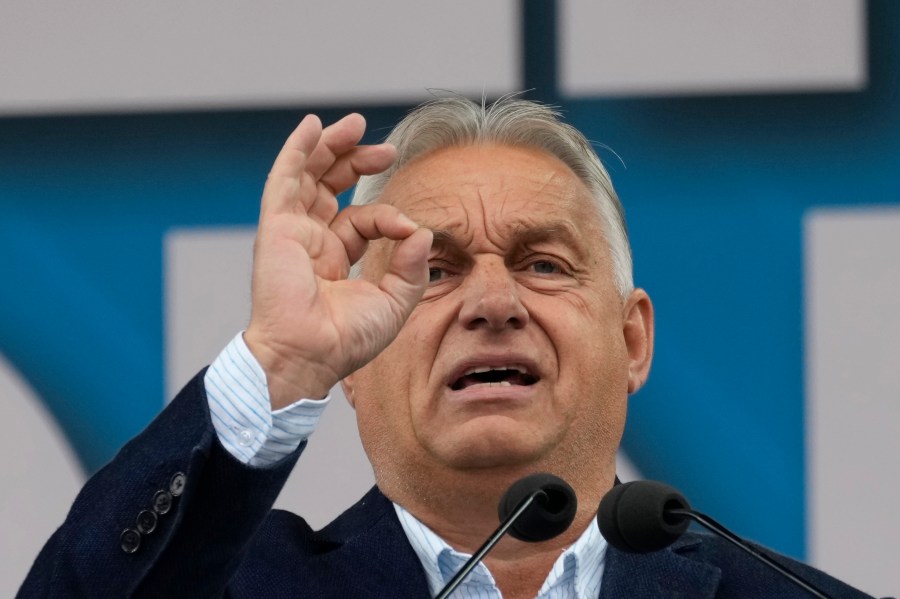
720	530
489	544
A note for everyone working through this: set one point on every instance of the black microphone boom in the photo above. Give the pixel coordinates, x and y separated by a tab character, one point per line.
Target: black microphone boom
535	508
643	516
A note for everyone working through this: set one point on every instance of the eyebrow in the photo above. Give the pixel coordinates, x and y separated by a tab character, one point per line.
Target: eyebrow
554	231
443	237
523	235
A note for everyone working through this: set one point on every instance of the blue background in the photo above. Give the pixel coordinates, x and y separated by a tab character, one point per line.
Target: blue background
715	190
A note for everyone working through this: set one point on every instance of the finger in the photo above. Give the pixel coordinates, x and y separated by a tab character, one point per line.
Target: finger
345	172
325	207
285	184
363	160
291	160
337	139
407	275
355	226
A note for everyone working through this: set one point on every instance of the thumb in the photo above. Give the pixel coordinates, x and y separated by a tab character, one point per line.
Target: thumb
407	274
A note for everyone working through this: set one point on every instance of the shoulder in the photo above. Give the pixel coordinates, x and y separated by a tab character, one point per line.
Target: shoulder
742	575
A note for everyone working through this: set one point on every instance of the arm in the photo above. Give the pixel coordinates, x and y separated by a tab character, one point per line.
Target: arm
309	327
206	526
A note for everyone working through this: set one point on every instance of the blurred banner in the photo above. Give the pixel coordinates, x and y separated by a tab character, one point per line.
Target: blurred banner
102	55
647	47
852	405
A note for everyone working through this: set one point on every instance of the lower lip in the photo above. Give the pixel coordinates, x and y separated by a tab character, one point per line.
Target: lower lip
496	393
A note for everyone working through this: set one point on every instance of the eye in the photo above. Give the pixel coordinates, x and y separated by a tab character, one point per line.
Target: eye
442	269
545	267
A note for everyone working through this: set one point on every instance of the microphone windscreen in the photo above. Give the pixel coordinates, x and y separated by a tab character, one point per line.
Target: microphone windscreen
633	518
549	514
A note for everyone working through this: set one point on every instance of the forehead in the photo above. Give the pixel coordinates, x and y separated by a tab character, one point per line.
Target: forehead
499	188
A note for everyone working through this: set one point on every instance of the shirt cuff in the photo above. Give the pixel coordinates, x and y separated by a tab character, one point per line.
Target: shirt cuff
241	412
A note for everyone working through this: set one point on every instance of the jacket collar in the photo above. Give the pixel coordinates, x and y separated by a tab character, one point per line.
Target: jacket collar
664	574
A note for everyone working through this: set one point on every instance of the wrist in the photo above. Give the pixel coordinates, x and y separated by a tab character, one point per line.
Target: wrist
288	380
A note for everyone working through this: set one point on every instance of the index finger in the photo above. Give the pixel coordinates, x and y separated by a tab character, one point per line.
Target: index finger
300	144
355	226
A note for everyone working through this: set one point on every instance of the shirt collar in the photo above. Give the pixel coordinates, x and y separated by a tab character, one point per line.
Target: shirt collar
577	572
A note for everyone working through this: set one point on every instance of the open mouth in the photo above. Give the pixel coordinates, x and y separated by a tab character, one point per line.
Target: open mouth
501	376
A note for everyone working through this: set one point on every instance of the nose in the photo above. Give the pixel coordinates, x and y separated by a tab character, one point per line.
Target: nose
491	298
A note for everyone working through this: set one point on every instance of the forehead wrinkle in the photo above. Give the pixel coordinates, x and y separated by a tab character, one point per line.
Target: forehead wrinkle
451	224
551	179
492	228
555	191
501	211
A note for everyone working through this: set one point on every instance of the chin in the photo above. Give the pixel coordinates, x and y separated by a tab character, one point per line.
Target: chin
489	450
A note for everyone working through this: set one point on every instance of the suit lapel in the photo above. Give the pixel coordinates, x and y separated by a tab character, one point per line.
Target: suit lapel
662	574
369	536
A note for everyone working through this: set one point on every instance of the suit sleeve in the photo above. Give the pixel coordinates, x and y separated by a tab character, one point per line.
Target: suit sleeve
171	516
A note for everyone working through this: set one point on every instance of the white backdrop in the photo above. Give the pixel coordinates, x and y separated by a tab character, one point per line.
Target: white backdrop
103	55
853	393
648	47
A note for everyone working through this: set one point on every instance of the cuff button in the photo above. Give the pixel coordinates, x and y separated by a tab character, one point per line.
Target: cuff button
146	522
245	438
162	502
176	485
130	540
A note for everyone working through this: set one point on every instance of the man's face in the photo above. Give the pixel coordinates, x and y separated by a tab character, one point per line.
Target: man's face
522	352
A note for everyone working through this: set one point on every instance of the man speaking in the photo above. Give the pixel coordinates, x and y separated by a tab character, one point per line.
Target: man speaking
490	330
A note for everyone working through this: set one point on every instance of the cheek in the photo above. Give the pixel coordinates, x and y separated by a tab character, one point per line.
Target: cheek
598	388
590	347
382	414
386	386
392	389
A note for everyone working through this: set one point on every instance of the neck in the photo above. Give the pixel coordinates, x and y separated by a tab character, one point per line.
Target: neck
463	512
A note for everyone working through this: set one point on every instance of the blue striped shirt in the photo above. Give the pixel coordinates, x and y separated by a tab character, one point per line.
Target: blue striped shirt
249	430
577	572
247	427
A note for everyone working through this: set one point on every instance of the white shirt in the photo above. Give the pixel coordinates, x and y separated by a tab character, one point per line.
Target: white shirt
249	430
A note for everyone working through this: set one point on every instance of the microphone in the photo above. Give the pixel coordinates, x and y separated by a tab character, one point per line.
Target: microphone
534	509
644	516
636	517
550	517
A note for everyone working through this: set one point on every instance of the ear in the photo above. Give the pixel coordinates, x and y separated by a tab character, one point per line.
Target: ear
347	386
638	333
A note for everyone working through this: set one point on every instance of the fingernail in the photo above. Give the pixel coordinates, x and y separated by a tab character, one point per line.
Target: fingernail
408	220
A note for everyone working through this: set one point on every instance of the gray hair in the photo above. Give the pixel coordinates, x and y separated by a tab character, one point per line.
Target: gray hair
457	121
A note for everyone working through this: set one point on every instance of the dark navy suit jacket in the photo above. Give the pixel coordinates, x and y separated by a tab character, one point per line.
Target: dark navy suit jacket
219	536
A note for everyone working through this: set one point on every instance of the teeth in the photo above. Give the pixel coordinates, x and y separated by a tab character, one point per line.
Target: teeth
480	369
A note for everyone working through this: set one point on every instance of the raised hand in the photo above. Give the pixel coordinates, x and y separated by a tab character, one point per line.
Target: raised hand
309	325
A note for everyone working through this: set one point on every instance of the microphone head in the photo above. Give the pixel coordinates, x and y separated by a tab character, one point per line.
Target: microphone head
633	516
552	511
